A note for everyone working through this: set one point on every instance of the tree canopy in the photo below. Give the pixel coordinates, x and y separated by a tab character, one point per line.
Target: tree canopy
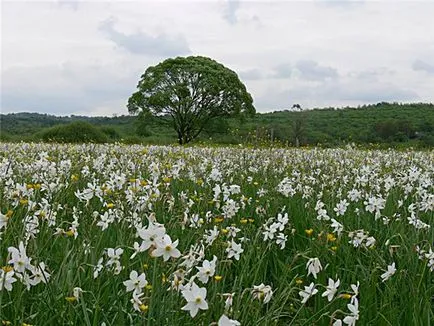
188	92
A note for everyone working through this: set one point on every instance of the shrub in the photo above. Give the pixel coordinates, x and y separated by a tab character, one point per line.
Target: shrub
75	132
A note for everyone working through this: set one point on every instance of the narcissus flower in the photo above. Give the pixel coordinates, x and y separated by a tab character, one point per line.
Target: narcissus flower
262	292
166	248
313	267
390	271
196	299
331	289
136	282
226	321
6	280
308	292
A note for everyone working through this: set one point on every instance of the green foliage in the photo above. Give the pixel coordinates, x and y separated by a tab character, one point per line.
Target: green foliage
111	133
75	132
191	91
412	126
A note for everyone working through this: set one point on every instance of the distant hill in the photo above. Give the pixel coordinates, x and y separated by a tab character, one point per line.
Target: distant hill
383	123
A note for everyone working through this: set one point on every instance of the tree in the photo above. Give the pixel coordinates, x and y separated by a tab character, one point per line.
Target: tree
188	92
298	125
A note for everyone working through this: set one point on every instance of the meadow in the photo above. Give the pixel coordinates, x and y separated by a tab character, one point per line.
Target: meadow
165	235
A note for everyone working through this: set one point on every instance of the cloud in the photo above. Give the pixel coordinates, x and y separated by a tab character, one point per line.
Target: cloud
73	4
230	11
348	91
68	88
372	75
283	71
143	43
420	65
251	74
311	70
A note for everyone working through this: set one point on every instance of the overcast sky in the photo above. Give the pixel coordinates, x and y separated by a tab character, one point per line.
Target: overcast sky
86	57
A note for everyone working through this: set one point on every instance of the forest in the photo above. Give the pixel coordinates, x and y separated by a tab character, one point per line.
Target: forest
382	124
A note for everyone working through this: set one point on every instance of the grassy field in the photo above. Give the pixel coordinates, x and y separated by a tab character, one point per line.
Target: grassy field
166	235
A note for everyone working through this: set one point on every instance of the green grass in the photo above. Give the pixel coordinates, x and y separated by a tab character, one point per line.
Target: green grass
175	185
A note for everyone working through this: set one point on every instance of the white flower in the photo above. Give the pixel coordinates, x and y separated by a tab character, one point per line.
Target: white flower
19	258
207	270
313	267
341	207
195	297
98	268
229	299
331	289
234	250
114	257
138	248
262	292
355	288
390	271
136	282
3	220
76	292
353	307
6	280
150	235
166	248
308	292
281	240
225	321
39	274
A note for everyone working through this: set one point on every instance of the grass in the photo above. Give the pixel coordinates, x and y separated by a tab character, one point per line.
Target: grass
41	186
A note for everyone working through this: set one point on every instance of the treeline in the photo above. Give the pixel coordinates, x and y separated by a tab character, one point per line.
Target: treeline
386	124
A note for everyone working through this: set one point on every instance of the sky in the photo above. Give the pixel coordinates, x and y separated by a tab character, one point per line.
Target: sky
86	57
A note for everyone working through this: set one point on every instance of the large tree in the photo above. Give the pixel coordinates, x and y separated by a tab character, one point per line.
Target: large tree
187	92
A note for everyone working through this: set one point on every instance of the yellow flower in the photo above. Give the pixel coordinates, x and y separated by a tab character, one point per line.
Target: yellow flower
167	179
225	231
218	219
163	278
29	186
132	180
243	221
199	181
345	296
7	268
74	177
218	278
69	233
110	205
334	248
148	286
251	220
24	201
6	322
331	237
143	308
299	281
9	213
37	186
145	266
71	299
143	183
309	232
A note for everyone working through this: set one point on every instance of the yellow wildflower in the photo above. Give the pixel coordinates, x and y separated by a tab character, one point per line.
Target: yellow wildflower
309	232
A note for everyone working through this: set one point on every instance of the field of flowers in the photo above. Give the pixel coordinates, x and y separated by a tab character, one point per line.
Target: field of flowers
133	235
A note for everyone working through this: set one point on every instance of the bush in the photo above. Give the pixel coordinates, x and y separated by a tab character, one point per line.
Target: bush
75	132
110	132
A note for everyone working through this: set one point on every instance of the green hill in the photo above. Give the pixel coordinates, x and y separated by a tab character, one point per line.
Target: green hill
391	124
